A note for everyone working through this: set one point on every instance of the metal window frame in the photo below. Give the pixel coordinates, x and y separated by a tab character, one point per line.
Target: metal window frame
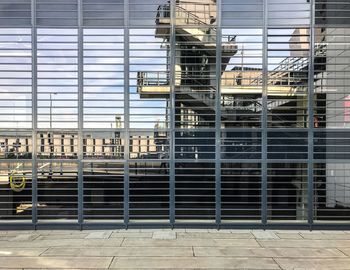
264	161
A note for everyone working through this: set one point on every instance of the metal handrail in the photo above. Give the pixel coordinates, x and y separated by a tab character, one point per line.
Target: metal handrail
189	17
144	78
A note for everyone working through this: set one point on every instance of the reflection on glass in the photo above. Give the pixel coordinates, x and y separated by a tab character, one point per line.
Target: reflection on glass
15	145
103	78
240	191
57	191
15	78
287	188
103	145
331	191
57	57
15	191
241	82
195	191
149	78
56	145
288	66
149	145
103	191
331	78
149	190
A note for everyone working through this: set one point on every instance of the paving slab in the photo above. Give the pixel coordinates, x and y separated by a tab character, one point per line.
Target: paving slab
304	243
191	249
61	262
346	251
121	252
264	235
24	237
62	236
334	232
64	243
197	230
128	234
196	263
164	235
316	264
8	252
285	235
267	252
189	242
325	236
215	235
219	231
99	235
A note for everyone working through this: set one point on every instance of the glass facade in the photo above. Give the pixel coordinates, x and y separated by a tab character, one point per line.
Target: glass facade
174	112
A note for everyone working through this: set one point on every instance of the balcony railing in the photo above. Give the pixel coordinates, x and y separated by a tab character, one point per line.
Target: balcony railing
153	78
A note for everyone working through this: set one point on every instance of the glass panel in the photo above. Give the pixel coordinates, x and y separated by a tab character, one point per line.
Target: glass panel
15	191
15	145
332	78
195	12
148	12
288	65
149	145
103	78
15	78
332	145
240	191
241	81
103	12
103	145
57	145
57	78
289	12
57	13
240	145
287	191
103	191
332	12
57	191
15	13
149	78
332	192
242	13
149	190
195	78
194	145
194	191
287	145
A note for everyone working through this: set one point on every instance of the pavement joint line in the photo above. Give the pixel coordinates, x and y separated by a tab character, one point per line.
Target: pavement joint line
276	263
346	255
259	243
193	252
112	260
122	242
46	249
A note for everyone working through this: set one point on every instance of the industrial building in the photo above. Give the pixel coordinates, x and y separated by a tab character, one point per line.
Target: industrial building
214	113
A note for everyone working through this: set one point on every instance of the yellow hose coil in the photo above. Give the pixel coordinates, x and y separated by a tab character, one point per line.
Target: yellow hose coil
17	187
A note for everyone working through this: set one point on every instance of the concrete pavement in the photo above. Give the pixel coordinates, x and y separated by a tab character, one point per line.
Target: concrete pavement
174	249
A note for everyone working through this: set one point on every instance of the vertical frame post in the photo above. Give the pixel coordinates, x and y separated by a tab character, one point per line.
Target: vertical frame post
264	117
311	114
172	114
218	117
126	113
34	115
80	113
